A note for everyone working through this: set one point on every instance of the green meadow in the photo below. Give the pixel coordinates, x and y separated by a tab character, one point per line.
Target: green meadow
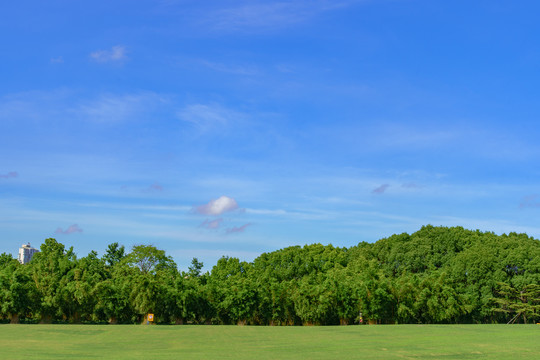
266	342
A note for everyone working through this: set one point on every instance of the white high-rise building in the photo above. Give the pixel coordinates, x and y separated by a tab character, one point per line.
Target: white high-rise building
26	252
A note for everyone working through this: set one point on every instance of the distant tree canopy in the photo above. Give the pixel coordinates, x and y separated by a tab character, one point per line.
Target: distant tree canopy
435	275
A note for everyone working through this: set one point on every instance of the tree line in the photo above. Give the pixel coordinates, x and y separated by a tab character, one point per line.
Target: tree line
435	275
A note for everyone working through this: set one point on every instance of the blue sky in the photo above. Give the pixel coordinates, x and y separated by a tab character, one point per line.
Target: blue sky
241	127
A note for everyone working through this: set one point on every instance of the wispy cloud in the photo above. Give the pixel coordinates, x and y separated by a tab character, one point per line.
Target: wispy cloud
115	54
231	69
238	229
217	206
207	117
211	224
109	108
381	189
32	105
69	106
70	230
9	175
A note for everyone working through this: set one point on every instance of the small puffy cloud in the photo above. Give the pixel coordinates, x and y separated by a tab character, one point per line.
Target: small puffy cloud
70	230
9	175
381	189
237	229
211	224
217	206
530	201
116	53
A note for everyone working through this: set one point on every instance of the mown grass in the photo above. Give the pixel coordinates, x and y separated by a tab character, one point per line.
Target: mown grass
250	342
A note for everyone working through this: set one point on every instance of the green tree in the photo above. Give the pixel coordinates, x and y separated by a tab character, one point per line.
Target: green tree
195	268
48	267
149	259
115	253
18	295
519	303
146	288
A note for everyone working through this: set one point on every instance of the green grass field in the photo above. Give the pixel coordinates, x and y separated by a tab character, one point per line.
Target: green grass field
250	342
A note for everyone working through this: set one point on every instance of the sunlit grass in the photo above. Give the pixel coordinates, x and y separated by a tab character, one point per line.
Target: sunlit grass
250	342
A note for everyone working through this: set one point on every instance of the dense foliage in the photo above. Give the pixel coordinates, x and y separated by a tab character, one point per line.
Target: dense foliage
436	275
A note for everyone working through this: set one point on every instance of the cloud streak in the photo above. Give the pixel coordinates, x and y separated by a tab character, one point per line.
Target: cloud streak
211	224
70	230
66	106
530	201
239	229
207	117
9	175
230	69
155	187
381	189
115	54
270	16
111	108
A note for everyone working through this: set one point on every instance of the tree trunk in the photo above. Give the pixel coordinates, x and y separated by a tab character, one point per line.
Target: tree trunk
179	321
343	322
76	318
46	319
13	318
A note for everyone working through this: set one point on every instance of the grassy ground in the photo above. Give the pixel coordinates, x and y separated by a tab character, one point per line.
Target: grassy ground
249	342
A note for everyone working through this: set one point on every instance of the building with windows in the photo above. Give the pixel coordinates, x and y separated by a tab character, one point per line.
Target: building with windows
26	252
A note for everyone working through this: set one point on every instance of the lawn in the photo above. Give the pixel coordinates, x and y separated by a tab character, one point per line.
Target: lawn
249	342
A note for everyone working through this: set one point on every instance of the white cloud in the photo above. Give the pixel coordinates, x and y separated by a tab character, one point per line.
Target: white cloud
116	53
217	207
